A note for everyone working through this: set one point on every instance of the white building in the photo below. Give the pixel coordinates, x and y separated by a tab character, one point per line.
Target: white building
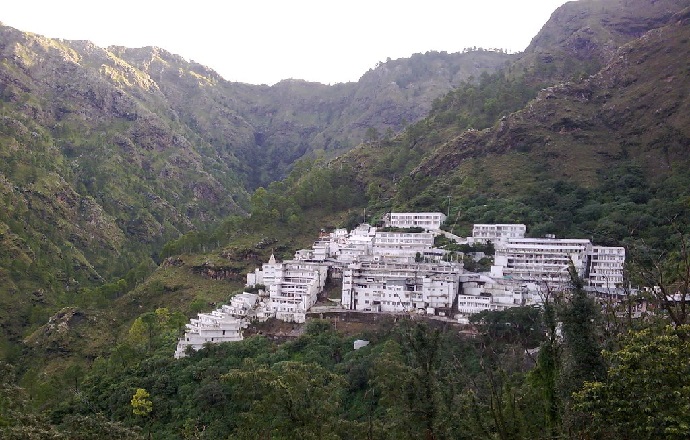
543	260
483	233
470	304
426	220
241	305
358	243
293	286
546	261
325	247
215	327
481	292
387	286
404	245
605	267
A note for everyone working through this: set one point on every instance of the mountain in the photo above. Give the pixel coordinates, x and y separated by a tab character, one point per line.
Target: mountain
97	171
109	153
581	37
601	155
269	128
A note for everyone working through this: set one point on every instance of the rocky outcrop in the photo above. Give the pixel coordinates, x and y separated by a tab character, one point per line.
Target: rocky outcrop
57	336
216	272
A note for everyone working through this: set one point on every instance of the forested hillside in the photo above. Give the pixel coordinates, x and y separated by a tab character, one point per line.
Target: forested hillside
107	154
269	128
601	156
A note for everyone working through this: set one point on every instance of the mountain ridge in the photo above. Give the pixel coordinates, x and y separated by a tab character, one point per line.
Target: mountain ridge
144	146
109	153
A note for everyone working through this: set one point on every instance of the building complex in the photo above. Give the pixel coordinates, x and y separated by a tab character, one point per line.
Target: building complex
426	220
397	269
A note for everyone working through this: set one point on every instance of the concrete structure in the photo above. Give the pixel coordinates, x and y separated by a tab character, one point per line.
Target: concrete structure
385	286
546	261
340	248
241	305
483	233
358	243
527	269
605	267
293	286
359	343
502	291
215	327
382	272
325	247
405	245
470	304
426	220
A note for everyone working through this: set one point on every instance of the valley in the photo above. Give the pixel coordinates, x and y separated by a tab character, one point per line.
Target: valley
138	190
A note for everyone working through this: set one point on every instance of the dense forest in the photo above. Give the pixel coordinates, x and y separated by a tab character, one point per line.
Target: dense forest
571	369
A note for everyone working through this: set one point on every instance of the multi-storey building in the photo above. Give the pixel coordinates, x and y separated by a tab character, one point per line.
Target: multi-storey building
215	327
547	261
293	286
404	245
539	259
471	304
483	233
382	271
426	220
605	267
358	243
388	286
241	305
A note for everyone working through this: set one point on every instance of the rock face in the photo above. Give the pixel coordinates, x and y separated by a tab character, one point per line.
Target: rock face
635	107
215	272
56	337
586	34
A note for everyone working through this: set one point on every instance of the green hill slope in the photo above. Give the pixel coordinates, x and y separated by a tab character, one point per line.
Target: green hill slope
586	134
97	173
582	158
613	145
106	154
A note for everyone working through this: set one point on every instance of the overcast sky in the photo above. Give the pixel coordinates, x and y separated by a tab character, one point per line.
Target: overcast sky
264	41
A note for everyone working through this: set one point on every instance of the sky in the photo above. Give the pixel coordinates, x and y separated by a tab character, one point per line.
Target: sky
264	41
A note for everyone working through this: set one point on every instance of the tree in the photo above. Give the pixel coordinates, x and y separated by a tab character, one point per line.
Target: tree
96	427
155	329
668	277
544	378
646	394
259	203
371	135
289	400
582	350
407	377
373	192
141	405
496	406
519	325
582	358
17	420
